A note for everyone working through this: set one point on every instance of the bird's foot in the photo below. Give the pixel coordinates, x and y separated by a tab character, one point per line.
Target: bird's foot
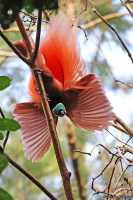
47	97
36	88
38	70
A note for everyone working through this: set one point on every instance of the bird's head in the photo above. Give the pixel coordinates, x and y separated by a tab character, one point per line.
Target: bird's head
59	110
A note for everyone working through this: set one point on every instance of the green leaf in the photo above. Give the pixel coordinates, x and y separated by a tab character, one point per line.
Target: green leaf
4	195
28	6
6	16
4	82
48	4
9	124
1	136
3	162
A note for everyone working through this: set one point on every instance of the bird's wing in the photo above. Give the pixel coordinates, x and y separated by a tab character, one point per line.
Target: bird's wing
89	108
35	134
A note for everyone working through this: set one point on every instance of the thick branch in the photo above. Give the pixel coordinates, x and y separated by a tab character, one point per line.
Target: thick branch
120	128
124	125
29	176
13	47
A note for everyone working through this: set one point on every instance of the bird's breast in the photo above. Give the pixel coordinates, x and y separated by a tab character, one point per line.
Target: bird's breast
54	90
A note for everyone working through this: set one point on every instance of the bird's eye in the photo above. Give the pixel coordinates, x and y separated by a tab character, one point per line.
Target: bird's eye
59	110
62	112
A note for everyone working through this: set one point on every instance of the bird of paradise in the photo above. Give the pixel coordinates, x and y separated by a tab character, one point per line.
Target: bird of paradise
70	91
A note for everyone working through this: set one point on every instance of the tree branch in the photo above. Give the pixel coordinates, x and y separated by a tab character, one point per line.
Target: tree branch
128	7
7	54
124	125
123	44
74	157
37	35
29	176
46	15
106	17
14	48
7	133
119	128
123	83
24	36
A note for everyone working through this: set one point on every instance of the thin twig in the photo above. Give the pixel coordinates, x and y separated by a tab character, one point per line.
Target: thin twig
93	194
120	177
2	114
116	162
37	35
82	152
118	139
94	148
127	6
6	139
102	172
122	156
83	31
30	177
98	14
121	189
46	15
7	133
85	9
123	83
33	16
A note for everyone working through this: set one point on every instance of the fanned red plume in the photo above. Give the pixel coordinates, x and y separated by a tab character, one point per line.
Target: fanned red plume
61	51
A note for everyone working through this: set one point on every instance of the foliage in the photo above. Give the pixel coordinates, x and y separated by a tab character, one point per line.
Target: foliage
4	82
9	9
1	136
4	195
7	124
3	162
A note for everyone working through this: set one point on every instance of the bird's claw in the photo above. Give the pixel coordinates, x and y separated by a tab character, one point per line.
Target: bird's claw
38	70
36	88
47	97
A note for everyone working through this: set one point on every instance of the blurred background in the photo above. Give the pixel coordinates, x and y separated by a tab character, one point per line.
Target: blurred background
104	56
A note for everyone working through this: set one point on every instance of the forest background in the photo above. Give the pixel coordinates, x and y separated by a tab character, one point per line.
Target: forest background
105	56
